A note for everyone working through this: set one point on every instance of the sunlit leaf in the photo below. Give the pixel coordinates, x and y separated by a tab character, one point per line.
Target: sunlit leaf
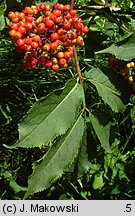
50	116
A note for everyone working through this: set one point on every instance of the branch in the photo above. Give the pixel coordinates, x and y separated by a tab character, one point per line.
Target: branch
110	8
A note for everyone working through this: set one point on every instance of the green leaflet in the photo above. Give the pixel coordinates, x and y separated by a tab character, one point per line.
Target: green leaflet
57	159
5	114
2	22
105	89
102	132
124	50
132	114
50	117
98	181
83	160
16	188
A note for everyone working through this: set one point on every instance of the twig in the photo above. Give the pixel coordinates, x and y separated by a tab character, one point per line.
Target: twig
72	4
110	8
78	67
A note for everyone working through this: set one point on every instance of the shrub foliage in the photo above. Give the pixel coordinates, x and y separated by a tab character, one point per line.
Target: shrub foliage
70	134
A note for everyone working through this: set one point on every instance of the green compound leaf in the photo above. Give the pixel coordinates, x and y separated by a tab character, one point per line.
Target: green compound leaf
57	160
105	89
50	117
124	50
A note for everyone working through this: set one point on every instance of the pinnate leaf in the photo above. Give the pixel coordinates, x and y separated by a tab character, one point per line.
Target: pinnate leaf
57	160
105	89
50	116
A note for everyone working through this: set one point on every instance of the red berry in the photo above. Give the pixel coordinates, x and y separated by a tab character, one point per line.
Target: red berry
28	41
14	26
68	15
55	67
28	26
85	29
66	25
34	45
73	12
49	23
29	10
75	19
36	38
52	17
67	7
42	7
48	63
18	35
22	30
58	20
20	42
61	31
11	15
73	42
41	60
62	61
54	36
66	43
57	42
65	65
48	8
57	13
60	7
33	62
53	46
21	24
29	19
21	15
78	26
15	20
67	54
41	28
79	41
63	38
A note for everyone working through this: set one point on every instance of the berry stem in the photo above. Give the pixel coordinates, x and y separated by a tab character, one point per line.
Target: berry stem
79	75
72	4
78	67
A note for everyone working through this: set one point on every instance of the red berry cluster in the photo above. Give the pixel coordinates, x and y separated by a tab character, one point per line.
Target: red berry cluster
46	35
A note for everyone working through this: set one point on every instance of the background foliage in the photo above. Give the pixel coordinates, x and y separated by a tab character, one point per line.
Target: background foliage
101	158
